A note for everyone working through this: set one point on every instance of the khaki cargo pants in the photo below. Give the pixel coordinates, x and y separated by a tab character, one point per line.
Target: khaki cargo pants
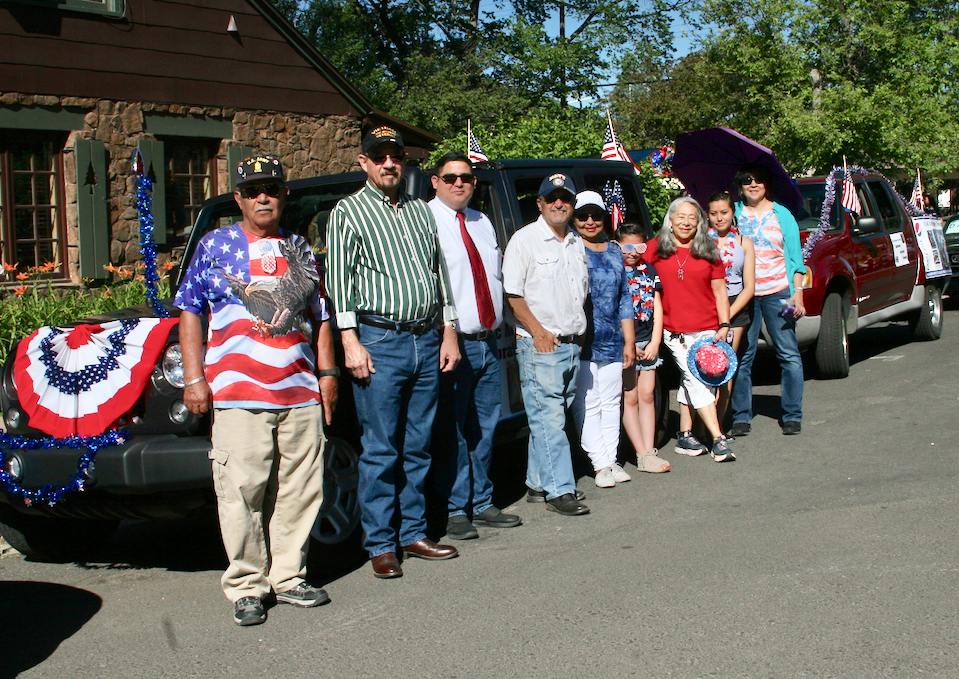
268	477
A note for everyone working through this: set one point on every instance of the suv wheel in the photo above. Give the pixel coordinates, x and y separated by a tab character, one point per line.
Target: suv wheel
54	539
926	324
832	348
340	514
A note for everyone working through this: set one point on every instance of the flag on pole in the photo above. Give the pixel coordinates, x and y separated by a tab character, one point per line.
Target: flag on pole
613	148
850	197
475	151
615	204
916	197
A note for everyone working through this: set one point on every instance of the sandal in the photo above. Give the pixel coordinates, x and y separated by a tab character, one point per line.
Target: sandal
652	463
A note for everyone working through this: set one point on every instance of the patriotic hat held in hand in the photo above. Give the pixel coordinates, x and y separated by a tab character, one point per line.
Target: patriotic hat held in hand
712	363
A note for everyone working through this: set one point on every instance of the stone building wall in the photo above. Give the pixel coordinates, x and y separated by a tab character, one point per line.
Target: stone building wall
307	146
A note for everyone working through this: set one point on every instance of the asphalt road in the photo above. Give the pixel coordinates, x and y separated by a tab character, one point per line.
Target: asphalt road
829	554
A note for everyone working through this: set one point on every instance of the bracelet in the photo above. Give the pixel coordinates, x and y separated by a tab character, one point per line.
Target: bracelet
192	382
328	372
725	325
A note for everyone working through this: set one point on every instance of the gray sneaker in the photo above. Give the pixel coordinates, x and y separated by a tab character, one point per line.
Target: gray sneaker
687	444
303	595
721	451
249	611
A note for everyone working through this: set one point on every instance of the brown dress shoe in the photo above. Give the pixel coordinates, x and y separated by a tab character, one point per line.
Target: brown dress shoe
427	549
386	566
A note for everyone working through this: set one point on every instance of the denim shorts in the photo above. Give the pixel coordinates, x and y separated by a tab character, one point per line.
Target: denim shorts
646	365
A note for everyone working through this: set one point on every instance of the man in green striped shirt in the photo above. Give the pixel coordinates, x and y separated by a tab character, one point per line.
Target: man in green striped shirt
390	289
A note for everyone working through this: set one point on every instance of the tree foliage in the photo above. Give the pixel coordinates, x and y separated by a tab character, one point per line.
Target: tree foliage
436	63
870	80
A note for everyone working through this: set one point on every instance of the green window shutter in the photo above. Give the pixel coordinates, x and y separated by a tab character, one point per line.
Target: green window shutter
154	165
93	213
234	154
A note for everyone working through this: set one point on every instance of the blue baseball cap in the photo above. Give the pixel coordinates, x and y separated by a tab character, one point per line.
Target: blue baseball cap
557	181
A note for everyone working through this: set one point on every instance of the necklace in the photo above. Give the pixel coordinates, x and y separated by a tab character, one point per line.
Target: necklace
681	264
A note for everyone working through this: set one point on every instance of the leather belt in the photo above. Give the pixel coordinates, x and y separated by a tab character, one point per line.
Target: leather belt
414	327
477	336
567	339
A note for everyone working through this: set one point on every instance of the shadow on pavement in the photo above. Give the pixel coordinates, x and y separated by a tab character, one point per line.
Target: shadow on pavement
37	617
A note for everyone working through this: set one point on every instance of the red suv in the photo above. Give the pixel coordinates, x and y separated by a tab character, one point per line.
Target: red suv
862	270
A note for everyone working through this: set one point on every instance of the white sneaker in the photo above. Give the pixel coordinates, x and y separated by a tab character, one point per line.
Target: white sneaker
619	474
605	479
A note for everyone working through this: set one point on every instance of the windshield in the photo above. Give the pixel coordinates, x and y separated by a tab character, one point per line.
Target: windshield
813	196
307	212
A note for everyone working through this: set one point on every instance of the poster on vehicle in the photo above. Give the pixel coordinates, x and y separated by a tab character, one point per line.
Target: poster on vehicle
899	250
932	244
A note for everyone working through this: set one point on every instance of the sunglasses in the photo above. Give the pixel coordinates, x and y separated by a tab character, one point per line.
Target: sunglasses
749	180
558	195
451	178
631	247
272	189
380	158
583	216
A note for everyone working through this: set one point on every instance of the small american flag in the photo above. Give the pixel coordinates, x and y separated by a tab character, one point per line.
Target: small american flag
916	197
476	153
613	147
613	196
850	197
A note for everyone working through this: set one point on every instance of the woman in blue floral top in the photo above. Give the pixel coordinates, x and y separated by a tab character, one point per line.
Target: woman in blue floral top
639	385
609	345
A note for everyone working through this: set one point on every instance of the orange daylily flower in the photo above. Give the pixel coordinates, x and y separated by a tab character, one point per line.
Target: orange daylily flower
10	267
125	273
110	268
169	264
139	278
19	291
22	276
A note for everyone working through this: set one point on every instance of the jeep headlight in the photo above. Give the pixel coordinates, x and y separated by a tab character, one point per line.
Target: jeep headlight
172	365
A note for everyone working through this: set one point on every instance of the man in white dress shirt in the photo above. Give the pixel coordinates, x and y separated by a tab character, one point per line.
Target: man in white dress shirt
546	283
470	396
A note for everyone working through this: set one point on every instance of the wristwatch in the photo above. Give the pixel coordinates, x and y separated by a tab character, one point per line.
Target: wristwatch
328	372
725	325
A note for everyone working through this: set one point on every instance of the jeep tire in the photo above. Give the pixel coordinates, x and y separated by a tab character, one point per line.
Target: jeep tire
926	324
832	348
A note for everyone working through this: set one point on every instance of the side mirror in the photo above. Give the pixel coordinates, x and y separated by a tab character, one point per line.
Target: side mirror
866	225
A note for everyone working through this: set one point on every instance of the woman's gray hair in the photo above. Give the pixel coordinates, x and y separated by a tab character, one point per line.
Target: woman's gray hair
704	247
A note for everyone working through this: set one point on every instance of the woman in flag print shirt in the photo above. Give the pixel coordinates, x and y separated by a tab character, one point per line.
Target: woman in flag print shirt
778	301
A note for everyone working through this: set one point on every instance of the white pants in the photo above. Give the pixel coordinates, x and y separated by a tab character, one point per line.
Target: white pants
692	392
596	408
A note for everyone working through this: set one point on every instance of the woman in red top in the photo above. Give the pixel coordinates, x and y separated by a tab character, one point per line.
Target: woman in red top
695	305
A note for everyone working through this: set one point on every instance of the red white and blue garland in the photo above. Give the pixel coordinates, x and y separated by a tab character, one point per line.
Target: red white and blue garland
51	494
824	217
662	161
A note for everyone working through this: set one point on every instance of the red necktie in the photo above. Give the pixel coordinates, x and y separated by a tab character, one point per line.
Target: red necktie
484	302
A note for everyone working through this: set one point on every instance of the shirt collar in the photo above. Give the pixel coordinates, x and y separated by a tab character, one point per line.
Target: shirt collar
548	233
381	197
447	210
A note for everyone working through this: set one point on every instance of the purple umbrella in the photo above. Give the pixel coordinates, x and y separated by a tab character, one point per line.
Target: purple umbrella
707	161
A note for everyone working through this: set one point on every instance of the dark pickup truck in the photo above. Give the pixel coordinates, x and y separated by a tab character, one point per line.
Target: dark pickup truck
162	469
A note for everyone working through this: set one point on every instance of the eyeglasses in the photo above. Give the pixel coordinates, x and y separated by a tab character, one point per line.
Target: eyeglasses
630	247
272	189
746	181
379	159
583	216
451	178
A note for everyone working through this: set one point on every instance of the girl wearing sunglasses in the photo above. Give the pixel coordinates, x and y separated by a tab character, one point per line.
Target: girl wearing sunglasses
639	385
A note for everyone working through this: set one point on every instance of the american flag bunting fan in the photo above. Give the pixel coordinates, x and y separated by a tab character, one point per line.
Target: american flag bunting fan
615	204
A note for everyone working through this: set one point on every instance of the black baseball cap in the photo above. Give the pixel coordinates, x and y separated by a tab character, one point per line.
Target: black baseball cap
259	166
382	135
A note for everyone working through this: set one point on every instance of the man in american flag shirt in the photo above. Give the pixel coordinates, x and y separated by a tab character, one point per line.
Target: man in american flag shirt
260	288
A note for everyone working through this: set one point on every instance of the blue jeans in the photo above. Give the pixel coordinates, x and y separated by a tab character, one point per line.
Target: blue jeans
470	399
395	411
549	385
783	334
